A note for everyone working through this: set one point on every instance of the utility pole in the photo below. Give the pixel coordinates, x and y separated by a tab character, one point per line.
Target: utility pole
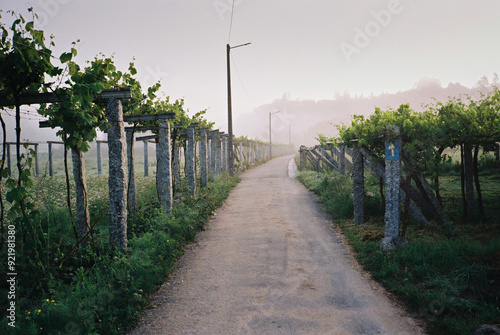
270	143
229	109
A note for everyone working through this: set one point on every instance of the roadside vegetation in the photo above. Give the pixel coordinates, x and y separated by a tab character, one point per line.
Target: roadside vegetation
100	290
451	283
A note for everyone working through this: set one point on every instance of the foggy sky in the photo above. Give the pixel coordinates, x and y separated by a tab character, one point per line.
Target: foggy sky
306	49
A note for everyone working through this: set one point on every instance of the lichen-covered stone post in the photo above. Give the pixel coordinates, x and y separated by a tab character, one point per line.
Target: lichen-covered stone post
164	167
203	158
213	154
131	194
240	146
342	159
175	163
117	180
358	183
392	187
254	153
250	153
99	162
190	161
146	163
303	159
209	153
218	155
224	153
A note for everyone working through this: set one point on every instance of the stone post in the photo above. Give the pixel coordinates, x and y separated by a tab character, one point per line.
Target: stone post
213	154
164	167
209	155
218	154
117	180
240	146
190	161
342	159
303	159
146	163
36	159
358	183
203	158
99	163
131	194
51	171
175	164
224	153
392	188
254	153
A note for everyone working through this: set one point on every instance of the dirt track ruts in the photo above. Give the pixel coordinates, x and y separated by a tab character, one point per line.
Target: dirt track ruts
269	263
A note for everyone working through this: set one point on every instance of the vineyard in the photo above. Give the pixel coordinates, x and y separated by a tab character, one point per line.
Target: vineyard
91	227
84	251
417	194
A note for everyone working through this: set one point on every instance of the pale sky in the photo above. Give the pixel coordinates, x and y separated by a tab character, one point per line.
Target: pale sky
308	49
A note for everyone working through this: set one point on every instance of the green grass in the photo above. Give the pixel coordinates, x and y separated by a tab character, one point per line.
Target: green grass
452	284
99	290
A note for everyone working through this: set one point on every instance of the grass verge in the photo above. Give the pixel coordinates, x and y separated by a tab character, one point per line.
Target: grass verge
99	290
453	284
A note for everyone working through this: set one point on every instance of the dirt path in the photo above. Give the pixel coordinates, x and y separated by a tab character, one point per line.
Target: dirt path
269	264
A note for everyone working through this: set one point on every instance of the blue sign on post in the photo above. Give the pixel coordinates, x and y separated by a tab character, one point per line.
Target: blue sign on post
392	150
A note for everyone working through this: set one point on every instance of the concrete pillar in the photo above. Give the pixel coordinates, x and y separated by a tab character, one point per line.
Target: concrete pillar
164	174
203	158
358	184
190	161
117	180
131	196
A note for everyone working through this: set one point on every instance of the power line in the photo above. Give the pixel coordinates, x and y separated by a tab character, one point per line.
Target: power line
231	24
243	86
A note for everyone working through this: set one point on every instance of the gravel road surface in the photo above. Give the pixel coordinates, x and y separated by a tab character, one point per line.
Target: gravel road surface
270	263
